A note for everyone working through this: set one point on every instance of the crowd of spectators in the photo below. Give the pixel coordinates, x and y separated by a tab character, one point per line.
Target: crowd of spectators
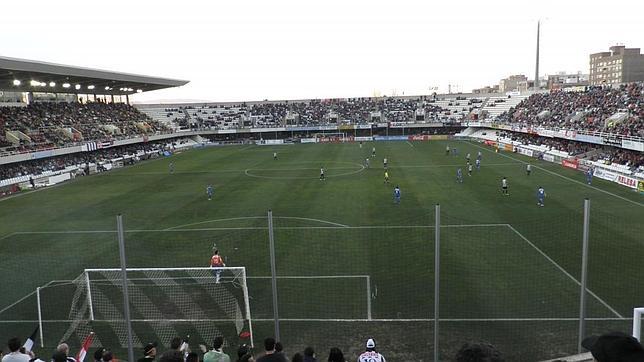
81	159
310	112
608	347
589	110
49	124
620	156
573	148
608	154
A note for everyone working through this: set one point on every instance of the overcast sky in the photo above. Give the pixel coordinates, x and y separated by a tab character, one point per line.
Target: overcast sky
253	50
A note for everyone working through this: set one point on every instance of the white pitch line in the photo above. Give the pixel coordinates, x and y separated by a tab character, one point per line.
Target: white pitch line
311	219
335	320
564	270
66	232
424	226
564	177
217	220
339	226
409	143
442	320
7	236
453	165
297	169
248	172
256	217
300	169
16	302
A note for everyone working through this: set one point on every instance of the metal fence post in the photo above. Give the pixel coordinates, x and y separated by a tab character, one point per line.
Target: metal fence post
437	279
42	339
126	297
584	275
271	240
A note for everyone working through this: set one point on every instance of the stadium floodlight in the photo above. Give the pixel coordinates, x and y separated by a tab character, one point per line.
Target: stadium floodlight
139	91
130	89
16	82
52	84
66	85
34	83
90	87
42	84
107	88
77	86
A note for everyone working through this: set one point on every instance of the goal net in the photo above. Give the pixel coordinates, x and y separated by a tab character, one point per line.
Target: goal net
164	303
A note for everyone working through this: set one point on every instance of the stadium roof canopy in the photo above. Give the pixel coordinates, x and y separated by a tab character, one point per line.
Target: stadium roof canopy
21	75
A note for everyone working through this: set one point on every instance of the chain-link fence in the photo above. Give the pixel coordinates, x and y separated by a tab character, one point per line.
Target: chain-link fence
515	285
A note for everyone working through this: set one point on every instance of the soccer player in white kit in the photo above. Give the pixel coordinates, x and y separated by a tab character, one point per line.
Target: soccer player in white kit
371	355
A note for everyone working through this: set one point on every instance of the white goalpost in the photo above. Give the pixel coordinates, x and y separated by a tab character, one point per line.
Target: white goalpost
164	303
638	313
175	302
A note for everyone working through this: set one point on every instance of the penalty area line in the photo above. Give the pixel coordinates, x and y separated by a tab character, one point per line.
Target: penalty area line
332	226
564	271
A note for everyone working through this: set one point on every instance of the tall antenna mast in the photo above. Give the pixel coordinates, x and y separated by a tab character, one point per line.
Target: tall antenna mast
536	71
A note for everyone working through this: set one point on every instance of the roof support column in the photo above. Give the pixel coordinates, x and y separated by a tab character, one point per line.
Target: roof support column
127	99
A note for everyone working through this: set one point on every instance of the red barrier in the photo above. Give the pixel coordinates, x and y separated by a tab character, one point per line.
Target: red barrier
570	163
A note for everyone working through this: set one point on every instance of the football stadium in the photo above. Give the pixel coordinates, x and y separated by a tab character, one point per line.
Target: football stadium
507	221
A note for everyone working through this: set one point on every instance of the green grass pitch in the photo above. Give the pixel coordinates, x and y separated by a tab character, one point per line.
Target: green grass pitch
510	269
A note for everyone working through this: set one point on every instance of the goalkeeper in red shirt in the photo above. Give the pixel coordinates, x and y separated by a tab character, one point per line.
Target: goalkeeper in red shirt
217	262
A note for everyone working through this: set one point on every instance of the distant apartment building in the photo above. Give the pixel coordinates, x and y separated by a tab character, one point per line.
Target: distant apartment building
619	65
563	80
486	90
514	83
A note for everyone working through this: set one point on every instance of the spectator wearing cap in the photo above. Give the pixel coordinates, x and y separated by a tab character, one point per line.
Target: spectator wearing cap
370	354
216	354
269	352
98	354
149	352
478	352
614	347
14	354
335	355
